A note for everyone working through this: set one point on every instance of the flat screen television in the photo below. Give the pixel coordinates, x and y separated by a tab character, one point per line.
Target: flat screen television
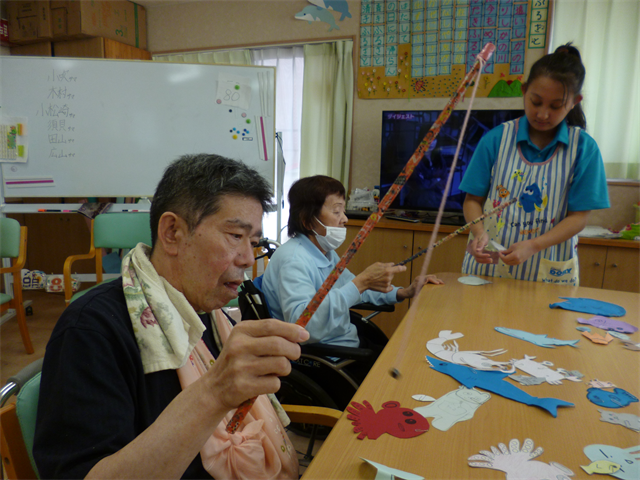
402	132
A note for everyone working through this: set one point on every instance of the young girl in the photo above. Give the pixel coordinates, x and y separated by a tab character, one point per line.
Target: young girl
554	168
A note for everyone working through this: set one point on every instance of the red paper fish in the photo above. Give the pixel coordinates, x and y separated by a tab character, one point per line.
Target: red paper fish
392	419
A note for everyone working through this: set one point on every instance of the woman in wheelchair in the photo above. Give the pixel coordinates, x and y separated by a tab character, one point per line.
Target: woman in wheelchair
299	267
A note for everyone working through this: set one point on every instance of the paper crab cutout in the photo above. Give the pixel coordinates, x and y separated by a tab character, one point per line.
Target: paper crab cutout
519	464
392	419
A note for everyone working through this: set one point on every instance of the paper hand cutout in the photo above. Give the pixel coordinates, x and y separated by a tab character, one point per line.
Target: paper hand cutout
628	459
492	380
519	464
609	324
619	398
540	340
628	420
454	407
451	353
541	370
392	419
388	473
589	305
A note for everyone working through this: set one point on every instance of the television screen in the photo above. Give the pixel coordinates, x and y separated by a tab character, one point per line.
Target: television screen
402	132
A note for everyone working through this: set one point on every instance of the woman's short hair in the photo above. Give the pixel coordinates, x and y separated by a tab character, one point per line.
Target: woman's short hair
306	198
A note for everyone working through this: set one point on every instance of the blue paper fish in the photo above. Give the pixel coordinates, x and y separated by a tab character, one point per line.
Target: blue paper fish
315	14
540	340
619	398
492	381
589	305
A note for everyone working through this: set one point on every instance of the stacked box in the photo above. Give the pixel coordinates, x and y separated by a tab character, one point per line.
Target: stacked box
29	22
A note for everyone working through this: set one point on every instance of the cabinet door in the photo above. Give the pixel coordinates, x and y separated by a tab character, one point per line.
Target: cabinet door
592	260
623	269
383	245
447	257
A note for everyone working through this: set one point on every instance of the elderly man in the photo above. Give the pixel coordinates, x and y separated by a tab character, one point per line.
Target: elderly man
130	387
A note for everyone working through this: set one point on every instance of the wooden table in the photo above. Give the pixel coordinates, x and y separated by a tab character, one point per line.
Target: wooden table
475	311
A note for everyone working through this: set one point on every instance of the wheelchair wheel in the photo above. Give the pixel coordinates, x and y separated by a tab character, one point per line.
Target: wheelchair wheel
299	389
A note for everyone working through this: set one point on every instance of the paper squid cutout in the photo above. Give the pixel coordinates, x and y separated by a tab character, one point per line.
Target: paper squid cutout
451	353
453	407
518	463
392	419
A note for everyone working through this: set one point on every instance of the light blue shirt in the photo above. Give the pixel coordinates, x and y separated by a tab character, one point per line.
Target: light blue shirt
296	272
588	189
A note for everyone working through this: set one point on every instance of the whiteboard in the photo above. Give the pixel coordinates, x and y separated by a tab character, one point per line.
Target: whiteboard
108	128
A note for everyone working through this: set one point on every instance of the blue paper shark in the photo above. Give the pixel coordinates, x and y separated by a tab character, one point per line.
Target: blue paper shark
540	340
589	305
313	14
492	381
340	6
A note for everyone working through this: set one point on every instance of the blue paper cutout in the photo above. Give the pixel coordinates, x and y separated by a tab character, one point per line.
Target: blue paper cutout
619	398
627	459
589	305
540	340
492	381
583	329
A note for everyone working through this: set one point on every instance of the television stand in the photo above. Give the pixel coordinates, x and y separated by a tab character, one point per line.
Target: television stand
447	218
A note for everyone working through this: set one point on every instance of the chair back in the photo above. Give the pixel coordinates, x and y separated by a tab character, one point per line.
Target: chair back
10	234
251	300
121	230
26	410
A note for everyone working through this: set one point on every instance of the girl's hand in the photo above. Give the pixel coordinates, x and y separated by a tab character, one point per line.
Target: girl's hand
519	252
476	248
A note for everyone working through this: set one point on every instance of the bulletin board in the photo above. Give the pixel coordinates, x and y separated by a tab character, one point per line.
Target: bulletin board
109	128
423	48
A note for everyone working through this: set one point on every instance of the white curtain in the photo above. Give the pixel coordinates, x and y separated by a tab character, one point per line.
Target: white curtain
327	110
607	33
226	57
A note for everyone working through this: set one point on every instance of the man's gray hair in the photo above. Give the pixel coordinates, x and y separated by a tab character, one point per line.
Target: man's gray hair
193	186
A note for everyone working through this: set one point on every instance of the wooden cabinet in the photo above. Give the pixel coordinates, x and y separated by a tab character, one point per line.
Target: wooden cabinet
98	47
609	266
446	258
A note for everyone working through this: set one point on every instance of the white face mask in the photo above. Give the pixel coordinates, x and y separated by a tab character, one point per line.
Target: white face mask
333	239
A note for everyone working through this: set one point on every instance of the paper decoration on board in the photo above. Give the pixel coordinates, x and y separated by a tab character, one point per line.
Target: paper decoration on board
632	346
597	338
453	407
621	336
451	353
542	370
423	398
392	419
598	384
473	280
519	463
13	140
602	467
619	398
537	339
589	305
311	13
388	473
492	381
627	458
234	90
628	420
609	324
339	6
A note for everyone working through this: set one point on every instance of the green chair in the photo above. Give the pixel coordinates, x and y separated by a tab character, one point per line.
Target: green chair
108	230
14	246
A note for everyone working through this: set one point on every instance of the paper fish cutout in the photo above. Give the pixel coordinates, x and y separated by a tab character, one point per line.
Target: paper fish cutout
540	340
597	338
583	329
519	464
392	419
628	420
589	305
340	6
598	384
619	398
492	381
312	13
526	380
609	324
473	280
453	407
601	466
542	370
628	459
619	335
388	473
450	353
632	346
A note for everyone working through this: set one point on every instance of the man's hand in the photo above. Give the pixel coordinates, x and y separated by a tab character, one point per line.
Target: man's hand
254	356
476	248
519	252
378	277
410	291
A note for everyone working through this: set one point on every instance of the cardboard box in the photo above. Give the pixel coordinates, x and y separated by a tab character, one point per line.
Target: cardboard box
29	22
41	49
123	21
98	47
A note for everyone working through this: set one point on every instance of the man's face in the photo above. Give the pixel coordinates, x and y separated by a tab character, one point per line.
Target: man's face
214	256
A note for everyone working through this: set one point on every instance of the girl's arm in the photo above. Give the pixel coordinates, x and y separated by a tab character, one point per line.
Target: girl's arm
571	225
472	208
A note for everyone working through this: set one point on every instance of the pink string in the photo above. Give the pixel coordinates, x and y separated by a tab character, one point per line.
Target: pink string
436	226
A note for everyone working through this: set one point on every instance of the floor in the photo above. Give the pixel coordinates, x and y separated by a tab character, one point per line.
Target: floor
47	308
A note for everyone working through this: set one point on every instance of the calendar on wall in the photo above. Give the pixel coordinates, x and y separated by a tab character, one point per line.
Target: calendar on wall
423	48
